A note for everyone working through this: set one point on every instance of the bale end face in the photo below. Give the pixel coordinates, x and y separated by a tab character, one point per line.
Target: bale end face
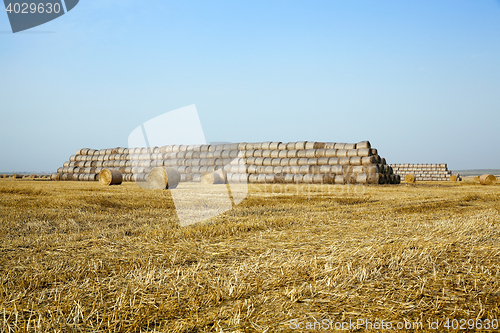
410	178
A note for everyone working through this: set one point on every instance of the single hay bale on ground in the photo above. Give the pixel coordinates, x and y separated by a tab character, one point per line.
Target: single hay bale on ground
211	178
410	178
453	178
487	179
160	178
110	177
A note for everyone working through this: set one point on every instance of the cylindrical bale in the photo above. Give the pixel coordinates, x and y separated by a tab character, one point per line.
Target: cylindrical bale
281	154
291	153
368	160
371	168
342	153
349	146
284	161
364	152
261	178
269	169
310	153
274	145
308	178
352	152
252	178
333	161
322	161
216	177
277	169
361	178
265	153
293	161
160	178
282	146
55	176
110	177
290	145
331	153
267	161
373	178
339	145
279	178
299	145
276	161
312	161
453	178
356	160
357	169
340	179
320	152
344	160
288	178
363	145
303	161
301	153
258	153
298	179
410	178
275	153
304	169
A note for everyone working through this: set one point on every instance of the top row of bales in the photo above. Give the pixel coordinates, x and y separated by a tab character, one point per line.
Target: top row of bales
300	145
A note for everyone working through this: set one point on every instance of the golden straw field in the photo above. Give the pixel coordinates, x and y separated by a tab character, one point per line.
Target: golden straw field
81	257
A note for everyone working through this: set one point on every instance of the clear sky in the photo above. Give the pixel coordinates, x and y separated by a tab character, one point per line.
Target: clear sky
419	79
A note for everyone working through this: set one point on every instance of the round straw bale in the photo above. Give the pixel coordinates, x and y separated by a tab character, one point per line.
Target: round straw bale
339	145
301	153
266	153
163	178
300	145
352	152
284	161
267	161
410	178
373	178
274	145
291	153
487	179
322	161
303	161
368	160
357	169
258	153
333	161
350	146
110	177
344	160
373	151
308	179
288	178
371	168
279	178
281	154
331	153
282	146
269	169
293	161
310	145
340	179
298	179
453	178
363	145
312	161
275	153
342	153
275	161
290	145
277	169
361	178
310	153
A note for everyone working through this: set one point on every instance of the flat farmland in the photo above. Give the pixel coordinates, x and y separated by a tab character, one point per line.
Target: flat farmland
77	256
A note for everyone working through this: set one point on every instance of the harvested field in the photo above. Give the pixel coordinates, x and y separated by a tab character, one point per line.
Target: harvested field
79	256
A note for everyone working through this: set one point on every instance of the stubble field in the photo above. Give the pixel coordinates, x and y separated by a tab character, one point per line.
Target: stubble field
79	257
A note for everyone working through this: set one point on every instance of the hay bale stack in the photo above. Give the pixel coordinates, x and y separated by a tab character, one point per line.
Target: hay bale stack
109	177
424	172
303	161
487	179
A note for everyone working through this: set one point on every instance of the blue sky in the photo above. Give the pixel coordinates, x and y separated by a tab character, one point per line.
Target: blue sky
419	79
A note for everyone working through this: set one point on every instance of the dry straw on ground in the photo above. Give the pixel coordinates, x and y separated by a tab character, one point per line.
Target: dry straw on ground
77	256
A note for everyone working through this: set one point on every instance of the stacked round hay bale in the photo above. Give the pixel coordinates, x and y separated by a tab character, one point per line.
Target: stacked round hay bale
264	162
424	172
